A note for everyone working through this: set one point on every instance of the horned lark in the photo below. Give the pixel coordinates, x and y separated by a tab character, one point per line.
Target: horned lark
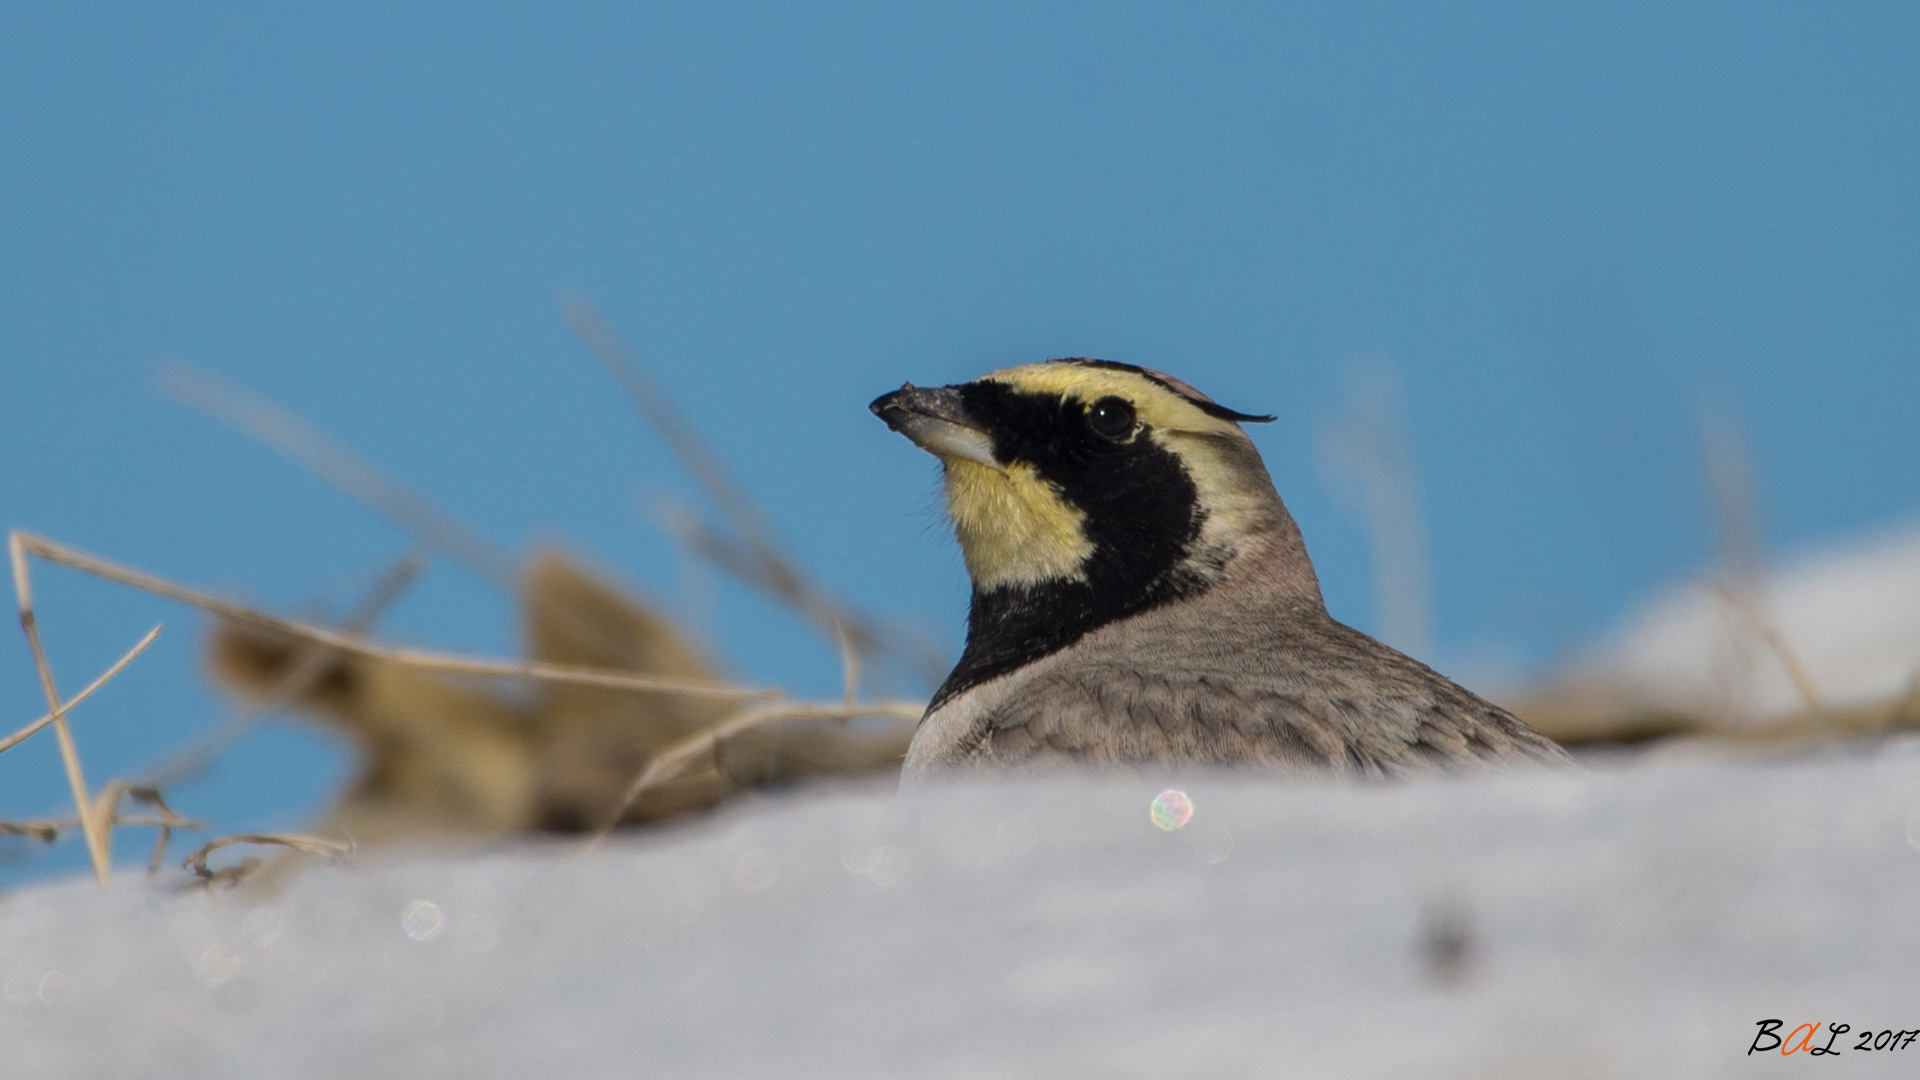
1140	594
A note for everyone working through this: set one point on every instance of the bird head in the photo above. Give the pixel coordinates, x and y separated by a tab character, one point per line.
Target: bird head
1091	473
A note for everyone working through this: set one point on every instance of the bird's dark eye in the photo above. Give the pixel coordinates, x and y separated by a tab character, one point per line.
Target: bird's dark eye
1111	418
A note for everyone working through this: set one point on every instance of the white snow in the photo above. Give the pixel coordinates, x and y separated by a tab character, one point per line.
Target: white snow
1628	922
1851	615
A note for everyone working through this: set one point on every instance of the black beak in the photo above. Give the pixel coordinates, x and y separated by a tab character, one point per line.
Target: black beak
937	421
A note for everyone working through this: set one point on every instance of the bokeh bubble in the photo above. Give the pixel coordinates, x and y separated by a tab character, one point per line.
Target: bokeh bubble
1171	809
423	921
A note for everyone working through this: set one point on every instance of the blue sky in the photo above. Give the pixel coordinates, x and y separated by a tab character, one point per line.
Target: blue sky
1566	228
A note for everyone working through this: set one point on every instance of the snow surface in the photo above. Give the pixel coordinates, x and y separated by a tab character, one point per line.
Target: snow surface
1628	921
1851	615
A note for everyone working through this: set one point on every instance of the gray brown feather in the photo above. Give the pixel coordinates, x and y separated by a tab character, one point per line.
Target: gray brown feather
1219	681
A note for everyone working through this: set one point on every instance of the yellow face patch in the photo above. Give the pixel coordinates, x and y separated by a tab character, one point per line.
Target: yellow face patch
1014	527
1017	528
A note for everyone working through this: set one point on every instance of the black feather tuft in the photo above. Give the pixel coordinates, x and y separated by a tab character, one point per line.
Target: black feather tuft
1194	397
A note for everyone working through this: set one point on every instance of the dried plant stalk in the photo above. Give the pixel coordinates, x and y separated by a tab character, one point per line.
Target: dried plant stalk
442	758
44	831
300	440
673	762
311	845
849	666
1747	608
63	555
49	830
108	809
1902	712
757	557
282	430
106	676
309	664
99	840
1577	716
686	444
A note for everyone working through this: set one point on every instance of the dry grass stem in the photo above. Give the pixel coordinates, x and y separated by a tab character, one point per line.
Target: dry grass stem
1796	671
1601	719
766	569
231	875
163	817
426	661
44	831
106	676
674	761
1366	459
1737	524
757	557
311	661
776	580
99	840
293	436
1902	712
49	830
680	436
849	666
107	811
1735	507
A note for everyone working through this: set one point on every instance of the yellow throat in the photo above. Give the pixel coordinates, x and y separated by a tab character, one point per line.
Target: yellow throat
1014	527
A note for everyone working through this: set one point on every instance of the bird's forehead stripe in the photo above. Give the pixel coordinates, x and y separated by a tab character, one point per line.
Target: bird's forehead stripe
1156	404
